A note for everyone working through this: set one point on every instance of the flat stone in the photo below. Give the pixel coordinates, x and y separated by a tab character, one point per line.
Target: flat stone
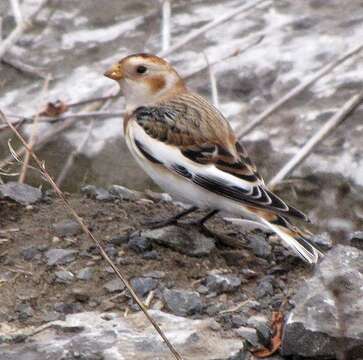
182	302
264	287
249	334
95	336
21	193
80	295
64	276
259	245
31	253
356	240
220	283
143	285
60	256
85	274
96	193
67	228
186	241
140	243
24	311
114	285
124	193
323	240
313	328
261	324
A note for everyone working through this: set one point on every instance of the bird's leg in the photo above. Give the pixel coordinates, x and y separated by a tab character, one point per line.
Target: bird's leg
155	224
205	218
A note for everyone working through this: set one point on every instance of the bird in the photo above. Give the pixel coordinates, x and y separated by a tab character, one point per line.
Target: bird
189	149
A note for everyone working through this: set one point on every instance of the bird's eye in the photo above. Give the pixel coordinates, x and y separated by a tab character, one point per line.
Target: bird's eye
141	69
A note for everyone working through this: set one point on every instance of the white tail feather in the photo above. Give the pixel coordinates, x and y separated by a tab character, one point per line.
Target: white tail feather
310	256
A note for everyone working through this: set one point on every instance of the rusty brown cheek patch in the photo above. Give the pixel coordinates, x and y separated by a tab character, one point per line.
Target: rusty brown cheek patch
156	83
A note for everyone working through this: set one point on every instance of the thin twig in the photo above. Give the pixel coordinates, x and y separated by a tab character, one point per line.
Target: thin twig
212	24
13	59
15	7
33	134
67	166
236	52
213	82
105	114
81	115
322	133
54	131
165	24
244	130
20	29
85	229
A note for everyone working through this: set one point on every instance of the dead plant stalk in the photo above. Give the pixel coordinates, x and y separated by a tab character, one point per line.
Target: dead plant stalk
85	229
34	132
321	134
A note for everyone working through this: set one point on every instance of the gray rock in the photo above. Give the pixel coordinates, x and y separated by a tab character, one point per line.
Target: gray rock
96	193
114	285
356	240
186	241
323	240
249	334
64	276
151	255
124	193
67	308
80	295
143	285
92	335
31	253
155	274
314	327
24	311
119	239
220	283
67	228
259	245
156	196
261	324
22	193
140	243
85	274
235	257
264	287
60	256
182	302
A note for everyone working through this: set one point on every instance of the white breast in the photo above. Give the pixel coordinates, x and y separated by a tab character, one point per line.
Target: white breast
176	185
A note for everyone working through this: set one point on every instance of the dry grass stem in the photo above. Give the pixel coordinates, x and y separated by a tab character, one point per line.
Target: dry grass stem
211	25
33	134
317	138
213	82
70	160
20	28
15	7
85	229
165	25
54	131
242	130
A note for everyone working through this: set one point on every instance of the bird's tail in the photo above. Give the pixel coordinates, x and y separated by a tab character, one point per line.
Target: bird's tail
299	241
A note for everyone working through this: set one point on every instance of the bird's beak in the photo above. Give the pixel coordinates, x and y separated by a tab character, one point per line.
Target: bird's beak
114	72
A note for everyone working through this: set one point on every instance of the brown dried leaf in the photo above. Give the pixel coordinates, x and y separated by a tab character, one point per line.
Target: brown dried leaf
277	327
54	109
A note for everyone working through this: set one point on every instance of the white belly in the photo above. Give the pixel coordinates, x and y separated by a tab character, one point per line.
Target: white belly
179	187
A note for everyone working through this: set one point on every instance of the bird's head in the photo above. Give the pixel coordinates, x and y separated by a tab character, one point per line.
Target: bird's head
145	79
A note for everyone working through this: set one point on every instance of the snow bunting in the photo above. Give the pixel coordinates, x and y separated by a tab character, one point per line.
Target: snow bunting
189	149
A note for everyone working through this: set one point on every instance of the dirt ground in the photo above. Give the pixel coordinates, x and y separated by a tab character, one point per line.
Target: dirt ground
32	295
